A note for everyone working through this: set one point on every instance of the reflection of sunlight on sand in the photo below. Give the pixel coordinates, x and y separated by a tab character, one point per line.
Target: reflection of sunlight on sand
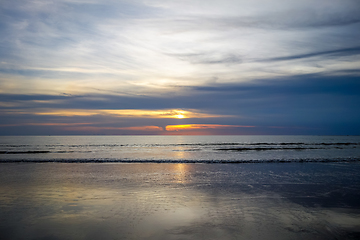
162	201
180	172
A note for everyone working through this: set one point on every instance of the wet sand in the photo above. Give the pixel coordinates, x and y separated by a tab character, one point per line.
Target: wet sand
179	201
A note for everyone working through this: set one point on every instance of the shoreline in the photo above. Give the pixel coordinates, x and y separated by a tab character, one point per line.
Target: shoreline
145	161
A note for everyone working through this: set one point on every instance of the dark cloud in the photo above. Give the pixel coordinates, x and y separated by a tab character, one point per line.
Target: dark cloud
25	97
300	84
307	99
194	97
304	18
281	20
319	104
330	53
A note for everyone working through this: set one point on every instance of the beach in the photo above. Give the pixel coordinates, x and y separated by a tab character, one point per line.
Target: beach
180	201
180	120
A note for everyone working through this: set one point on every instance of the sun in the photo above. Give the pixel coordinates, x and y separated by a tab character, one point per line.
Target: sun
180	116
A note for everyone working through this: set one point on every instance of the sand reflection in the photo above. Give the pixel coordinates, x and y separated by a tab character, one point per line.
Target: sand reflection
181	174
169	201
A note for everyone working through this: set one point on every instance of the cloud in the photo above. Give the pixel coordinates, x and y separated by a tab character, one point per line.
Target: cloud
114	130
208	58
201	126
289	64
299	102
330	53
141	44
124	113
290	19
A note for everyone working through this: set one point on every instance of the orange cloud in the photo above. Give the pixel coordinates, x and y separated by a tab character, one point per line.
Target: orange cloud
201	127
143	128
96	129
187	129
137	113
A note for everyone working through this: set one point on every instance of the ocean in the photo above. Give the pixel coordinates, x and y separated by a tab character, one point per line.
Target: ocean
180	187
181	149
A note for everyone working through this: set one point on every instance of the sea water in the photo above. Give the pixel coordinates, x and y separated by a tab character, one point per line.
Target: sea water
186	149
86	187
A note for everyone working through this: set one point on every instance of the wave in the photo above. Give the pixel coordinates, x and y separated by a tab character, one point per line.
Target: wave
23	152
42	152
175	150
265	149
191	144
267	144
238	147
305	160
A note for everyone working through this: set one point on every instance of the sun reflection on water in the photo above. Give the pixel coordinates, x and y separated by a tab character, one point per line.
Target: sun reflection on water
181	172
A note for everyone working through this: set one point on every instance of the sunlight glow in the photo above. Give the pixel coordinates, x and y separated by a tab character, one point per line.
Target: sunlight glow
97	129
131	113
200	126
180	116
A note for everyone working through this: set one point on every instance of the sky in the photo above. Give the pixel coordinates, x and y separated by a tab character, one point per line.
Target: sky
164	67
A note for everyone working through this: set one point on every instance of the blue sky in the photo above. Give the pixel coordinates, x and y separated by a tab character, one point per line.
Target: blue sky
179	67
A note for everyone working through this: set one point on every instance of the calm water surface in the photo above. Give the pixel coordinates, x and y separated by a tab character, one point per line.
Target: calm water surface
179	201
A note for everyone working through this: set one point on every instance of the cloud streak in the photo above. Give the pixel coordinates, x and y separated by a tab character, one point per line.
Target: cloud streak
331	53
